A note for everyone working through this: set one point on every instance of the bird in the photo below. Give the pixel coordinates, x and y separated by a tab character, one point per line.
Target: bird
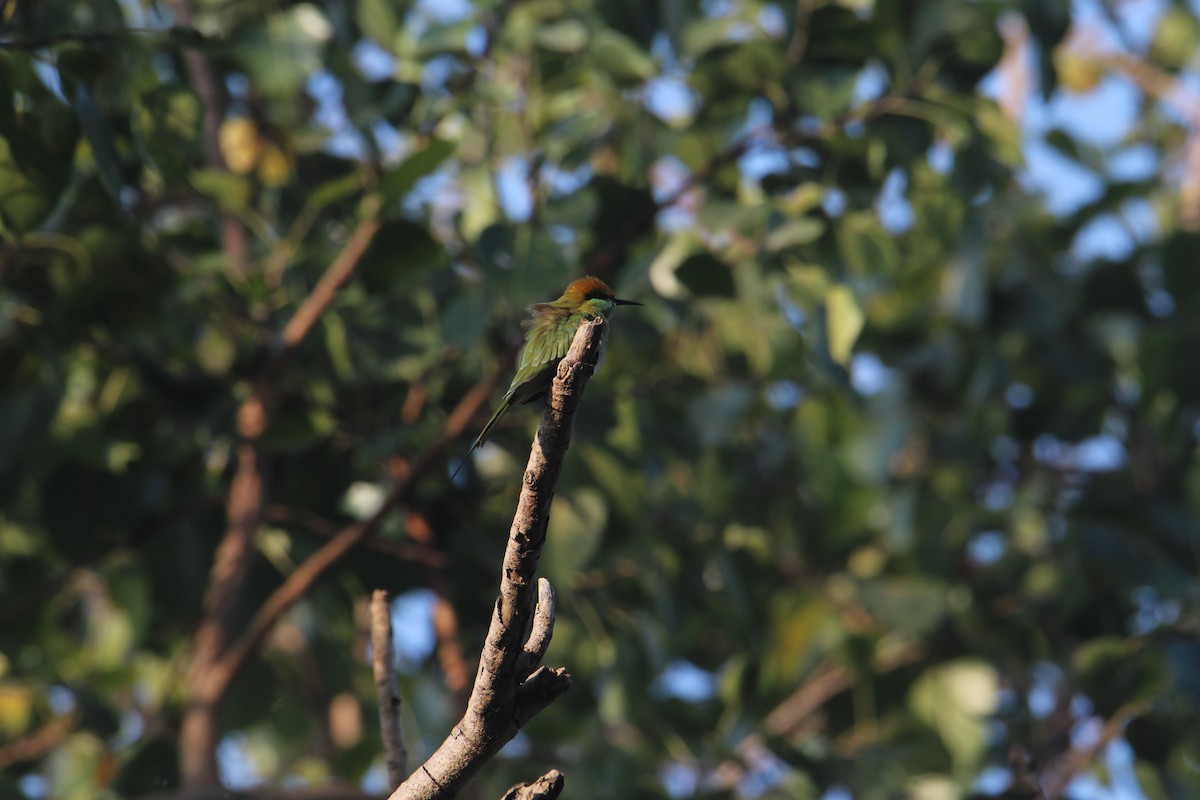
548	335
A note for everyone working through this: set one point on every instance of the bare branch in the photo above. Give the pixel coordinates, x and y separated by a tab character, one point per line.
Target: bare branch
39	742
1054	782
456	672
799	42
547	787
333	280
212	95
826	681
506	695
200	732
327	529
349	537
214	661
383	657
76	37
542	630
331	792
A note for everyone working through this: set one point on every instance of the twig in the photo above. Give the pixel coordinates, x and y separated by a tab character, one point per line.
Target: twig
349	537
212	96
455	672
327	529
333	791
799	42
93	37
383	658
333	280
38	743
510	687
1026	785
200	734
214	661
547	787
827	681
1055	781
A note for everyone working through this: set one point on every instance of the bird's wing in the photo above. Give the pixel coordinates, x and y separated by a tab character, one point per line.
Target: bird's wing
547	340
536	312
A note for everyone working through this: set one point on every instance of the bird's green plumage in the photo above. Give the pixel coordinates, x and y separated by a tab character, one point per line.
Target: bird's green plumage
548	335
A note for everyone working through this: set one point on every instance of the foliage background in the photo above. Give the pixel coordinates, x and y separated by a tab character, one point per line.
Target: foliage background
890	489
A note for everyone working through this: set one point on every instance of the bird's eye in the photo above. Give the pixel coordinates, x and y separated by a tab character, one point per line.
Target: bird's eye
597	296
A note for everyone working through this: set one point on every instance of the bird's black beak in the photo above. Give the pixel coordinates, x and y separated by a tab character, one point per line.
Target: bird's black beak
617	302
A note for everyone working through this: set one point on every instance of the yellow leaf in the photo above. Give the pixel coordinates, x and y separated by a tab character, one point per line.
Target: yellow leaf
843	322
241	146
16	709
1077	73
275	167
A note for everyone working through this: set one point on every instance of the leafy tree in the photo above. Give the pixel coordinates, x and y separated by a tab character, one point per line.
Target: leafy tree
890	490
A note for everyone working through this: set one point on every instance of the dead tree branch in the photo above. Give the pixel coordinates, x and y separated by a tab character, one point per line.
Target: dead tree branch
383	657
547	787
216	658
510	686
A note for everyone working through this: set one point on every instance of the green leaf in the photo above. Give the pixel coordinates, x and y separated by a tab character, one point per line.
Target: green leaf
703	35
230	192
337	346
167	123
23	200
867	248
99	136
565	36
843	322
794	232
577	523
281	50
824	93
617	476
1001	133
378	20
1114	671
336	189
956	700
397	183
911	605
215	350
1175	39
445	40
621	58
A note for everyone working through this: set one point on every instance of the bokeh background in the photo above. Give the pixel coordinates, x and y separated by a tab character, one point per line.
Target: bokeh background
890	490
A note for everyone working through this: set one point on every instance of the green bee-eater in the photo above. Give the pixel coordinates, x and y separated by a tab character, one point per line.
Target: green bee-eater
548	336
